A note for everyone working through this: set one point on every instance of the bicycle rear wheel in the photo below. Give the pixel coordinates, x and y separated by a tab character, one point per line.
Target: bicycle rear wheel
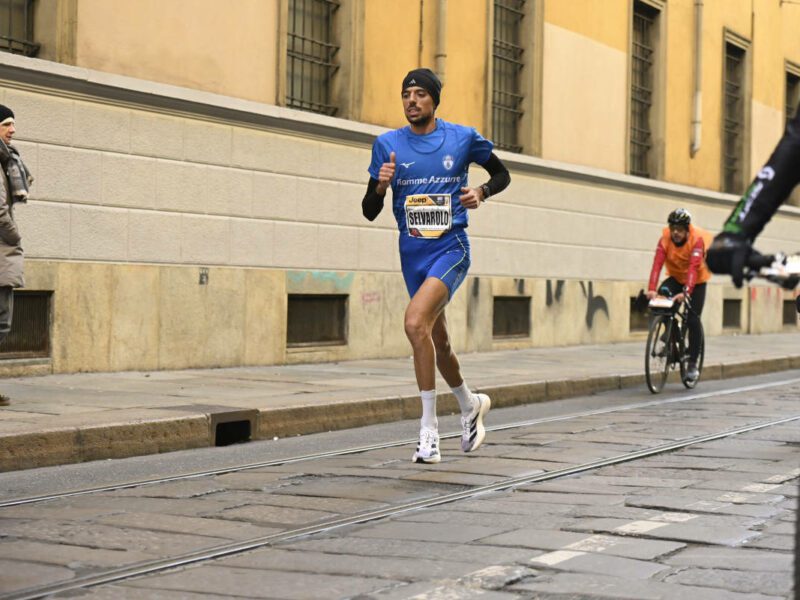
656	356
691	383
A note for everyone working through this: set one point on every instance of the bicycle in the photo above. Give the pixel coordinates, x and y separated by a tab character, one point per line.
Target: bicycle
668	343
668	338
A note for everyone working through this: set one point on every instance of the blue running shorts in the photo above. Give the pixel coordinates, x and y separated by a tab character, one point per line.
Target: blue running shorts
446	259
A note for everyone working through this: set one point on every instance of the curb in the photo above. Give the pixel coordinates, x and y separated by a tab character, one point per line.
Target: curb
115	440
121	440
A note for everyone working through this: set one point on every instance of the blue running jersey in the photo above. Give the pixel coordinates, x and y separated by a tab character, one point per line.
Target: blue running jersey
431	170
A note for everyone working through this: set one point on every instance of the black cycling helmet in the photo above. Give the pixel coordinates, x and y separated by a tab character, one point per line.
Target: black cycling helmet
680	216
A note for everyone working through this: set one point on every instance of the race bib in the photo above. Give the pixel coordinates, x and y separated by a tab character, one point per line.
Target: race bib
428	215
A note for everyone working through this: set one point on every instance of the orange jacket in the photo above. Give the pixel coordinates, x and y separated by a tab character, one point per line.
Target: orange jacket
685	263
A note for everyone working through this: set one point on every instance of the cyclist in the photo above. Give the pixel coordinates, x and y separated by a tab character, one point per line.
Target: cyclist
683	247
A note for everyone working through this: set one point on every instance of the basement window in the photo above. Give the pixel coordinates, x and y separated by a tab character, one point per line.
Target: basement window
732	314
316	320
30	326
790	312
639	318
511	317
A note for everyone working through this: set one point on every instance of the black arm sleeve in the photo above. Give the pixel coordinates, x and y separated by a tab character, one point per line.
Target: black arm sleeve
372	204
771	187
499	175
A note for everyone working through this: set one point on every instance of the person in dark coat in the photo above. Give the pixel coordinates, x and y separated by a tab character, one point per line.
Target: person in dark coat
14	183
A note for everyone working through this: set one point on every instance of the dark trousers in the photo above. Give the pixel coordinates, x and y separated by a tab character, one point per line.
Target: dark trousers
670	287
6	310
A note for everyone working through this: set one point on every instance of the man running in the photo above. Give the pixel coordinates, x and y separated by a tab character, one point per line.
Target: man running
683	247
426	166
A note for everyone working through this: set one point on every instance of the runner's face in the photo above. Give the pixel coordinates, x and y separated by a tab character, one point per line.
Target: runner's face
678	234
417	105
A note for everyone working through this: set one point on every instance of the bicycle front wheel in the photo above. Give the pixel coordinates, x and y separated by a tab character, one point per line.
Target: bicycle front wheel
685	350
656	356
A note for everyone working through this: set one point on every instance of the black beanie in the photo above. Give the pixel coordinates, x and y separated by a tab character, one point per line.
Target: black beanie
5	113
427	80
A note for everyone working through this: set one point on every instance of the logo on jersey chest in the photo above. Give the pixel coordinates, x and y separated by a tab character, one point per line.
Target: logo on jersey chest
448	162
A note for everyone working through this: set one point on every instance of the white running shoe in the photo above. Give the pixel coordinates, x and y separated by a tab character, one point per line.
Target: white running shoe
428	447
472	430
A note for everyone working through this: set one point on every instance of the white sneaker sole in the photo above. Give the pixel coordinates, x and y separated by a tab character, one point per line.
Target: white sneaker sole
480	436
427	461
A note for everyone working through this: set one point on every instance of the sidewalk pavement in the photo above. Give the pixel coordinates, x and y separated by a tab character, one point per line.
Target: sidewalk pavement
59	419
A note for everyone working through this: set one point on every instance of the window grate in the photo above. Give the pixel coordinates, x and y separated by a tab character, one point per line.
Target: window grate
311	55
642	55
792	95
16	27
30	326
733	119
507	65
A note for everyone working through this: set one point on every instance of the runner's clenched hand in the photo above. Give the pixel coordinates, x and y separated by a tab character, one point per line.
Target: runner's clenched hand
471	197
386	174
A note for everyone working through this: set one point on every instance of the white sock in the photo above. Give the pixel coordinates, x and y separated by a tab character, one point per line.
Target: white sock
429	419
464	397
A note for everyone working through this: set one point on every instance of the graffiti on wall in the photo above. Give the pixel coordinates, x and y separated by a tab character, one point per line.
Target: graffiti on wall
594	304
338	282
550	298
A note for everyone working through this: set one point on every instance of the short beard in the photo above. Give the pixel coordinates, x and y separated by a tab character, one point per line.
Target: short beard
679	245
421	121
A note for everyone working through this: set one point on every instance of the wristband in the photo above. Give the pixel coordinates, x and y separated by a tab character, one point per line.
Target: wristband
486	192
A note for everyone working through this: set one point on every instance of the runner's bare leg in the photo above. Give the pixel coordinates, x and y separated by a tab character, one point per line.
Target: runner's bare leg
446	359
422	314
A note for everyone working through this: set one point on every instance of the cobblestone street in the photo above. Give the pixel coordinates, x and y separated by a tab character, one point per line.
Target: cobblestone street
711	520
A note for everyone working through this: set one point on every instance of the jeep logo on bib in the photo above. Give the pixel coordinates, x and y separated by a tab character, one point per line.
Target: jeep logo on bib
447	162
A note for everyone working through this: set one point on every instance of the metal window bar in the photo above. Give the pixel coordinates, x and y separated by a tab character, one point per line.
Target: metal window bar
642	55
507	64
792	95
311	55
733	119
16	27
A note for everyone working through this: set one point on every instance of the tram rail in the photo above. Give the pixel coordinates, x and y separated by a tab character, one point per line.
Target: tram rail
392	444
145	568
